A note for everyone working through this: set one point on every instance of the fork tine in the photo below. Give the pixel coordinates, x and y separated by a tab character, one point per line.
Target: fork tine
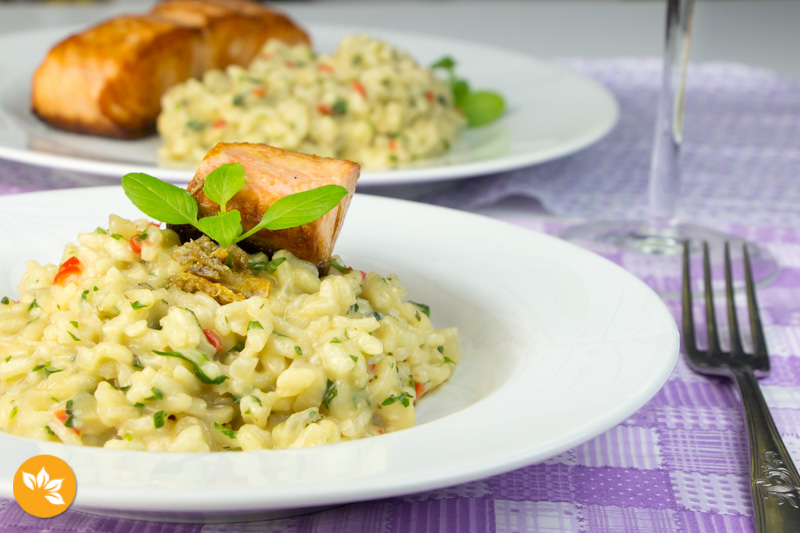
711	317
733	323
757	332
688	315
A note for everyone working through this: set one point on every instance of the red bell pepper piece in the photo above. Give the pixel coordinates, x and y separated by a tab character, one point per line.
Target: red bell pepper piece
213	339
69	269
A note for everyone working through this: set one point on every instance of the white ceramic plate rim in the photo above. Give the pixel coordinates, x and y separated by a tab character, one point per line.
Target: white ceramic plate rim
468	444
552	112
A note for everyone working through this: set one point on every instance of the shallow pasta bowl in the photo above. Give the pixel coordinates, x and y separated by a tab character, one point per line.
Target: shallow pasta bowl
559	345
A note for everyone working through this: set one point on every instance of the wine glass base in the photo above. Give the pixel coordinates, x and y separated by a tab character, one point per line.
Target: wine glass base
655	254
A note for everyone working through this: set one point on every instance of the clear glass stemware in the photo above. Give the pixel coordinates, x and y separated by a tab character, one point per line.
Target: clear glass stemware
661	234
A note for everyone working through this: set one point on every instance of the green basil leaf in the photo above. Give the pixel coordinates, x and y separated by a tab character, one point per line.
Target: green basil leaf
460	90
160	200
482	107
223	183
445	62
299	208
223	228
302	207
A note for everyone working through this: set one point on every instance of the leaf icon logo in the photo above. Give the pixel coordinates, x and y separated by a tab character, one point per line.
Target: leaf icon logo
44	486
43	482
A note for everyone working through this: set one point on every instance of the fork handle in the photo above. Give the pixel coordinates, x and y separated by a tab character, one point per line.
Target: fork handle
774	480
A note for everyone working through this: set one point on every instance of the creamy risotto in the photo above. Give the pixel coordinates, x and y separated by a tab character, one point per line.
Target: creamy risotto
368	102
111	349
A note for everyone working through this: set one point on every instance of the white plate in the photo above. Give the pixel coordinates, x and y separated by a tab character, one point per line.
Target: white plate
551	113
559	345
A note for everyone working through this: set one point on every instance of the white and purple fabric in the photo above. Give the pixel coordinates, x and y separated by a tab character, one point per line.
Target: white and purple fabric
680	464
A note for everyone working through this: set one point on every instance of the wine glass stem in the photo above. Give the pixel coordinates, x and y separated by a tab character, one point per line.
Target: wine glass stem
665	173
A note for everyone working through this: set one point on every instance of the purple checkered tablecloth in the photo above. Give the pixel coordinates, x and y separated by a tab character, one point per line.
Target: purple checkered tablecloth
680	463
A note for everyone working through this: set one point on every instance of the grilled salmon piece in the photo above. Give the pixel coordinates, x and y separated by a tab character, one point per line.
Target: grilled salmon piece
273	173
233	31
282	27
109	79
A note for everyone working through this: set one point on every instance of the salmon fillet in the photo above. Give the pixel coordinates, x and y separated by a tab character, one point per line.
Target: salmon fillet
109	79
233	32
273	173
282	27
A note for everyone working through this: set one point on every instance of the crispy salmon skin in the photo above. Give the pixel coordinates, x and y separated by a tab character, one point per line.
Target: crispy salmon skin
273	173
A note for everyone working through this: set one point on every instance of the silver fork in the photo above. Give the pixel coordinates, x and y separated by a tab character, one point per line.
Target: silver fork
774	479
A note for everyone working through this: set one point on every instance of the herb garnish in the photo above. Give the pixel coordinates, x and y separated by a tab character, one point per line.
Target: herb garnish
330	393
402	398
157	394
479	107
231	434
195	125
70	420
341	268
424	308
197	370
339	107
158	418
46	368
173	205
269	266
